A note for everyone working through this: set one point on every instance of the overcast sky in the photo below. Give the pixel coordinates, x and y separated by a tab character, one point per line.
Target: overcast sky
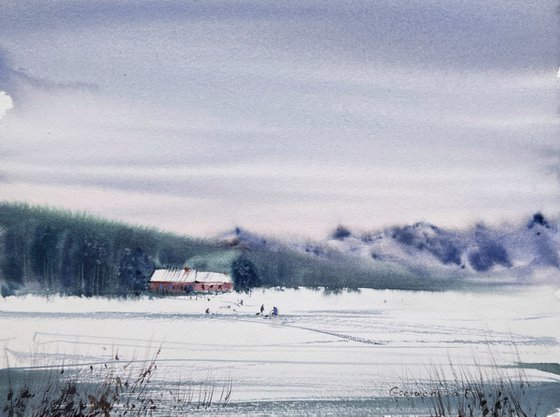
282	117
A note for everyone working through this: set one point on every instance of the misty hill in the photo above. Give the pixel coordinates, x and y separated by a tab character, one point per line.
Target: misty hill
513	252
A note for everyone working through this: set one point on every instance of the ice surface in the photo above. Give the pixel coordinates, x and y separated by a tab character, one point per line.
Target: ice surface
332	347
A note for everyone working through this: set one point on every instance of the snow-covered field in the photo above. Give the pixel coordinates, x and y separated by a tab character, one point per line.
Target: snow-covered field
324	352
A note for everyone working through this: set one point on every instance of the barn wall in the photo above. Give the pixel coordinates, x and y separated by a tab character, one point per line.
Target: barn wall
184	287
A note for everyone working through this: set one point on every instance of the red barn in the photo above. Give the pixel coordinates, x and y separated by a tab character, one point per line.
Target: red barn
185	280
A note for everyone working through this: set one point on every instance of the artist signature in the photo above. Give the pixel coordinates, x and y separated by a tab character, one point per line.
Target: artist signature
433	392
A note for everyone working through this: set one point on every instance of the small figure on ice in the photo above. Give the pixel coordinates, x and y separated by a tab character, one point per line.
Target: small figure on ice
262	308
274	312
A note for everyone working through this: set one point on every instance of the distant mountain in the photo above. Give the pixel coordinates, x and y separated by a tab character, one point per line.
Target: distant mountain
243	239
516	251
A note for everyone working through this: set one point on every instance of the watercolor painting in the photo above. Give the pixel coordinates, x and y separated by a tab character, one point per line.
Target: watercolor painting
296	208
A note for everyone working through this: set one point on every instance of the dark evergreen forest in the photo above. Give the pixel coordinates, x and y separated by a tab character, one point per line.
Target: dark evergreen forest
48	250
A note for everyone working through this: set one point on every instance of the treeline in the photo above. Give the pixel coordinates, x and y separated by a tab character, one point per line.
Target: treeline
48	250
288	268
45	250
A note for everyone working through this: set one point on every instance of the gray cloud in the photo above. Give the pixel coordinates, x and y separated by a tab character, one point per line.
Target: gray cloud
43	83
334	111
550	157
509	35
17	82
7	74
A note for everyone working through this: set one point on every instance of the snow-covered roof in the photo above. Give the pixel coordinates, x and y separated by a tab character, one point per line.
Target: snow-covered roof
204	276
191	275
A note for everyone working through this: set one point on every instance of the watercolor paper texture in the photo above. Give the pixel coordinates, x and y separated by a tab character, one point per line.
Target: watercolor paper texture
385	174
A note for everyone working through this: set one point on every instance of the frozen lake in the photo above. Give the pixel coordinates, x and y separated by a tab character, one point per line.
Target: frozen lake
326	353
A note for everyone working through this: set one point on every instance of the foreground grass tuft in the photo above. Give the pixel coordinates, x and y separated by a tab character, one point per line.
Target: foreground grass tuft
489	393
113	391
